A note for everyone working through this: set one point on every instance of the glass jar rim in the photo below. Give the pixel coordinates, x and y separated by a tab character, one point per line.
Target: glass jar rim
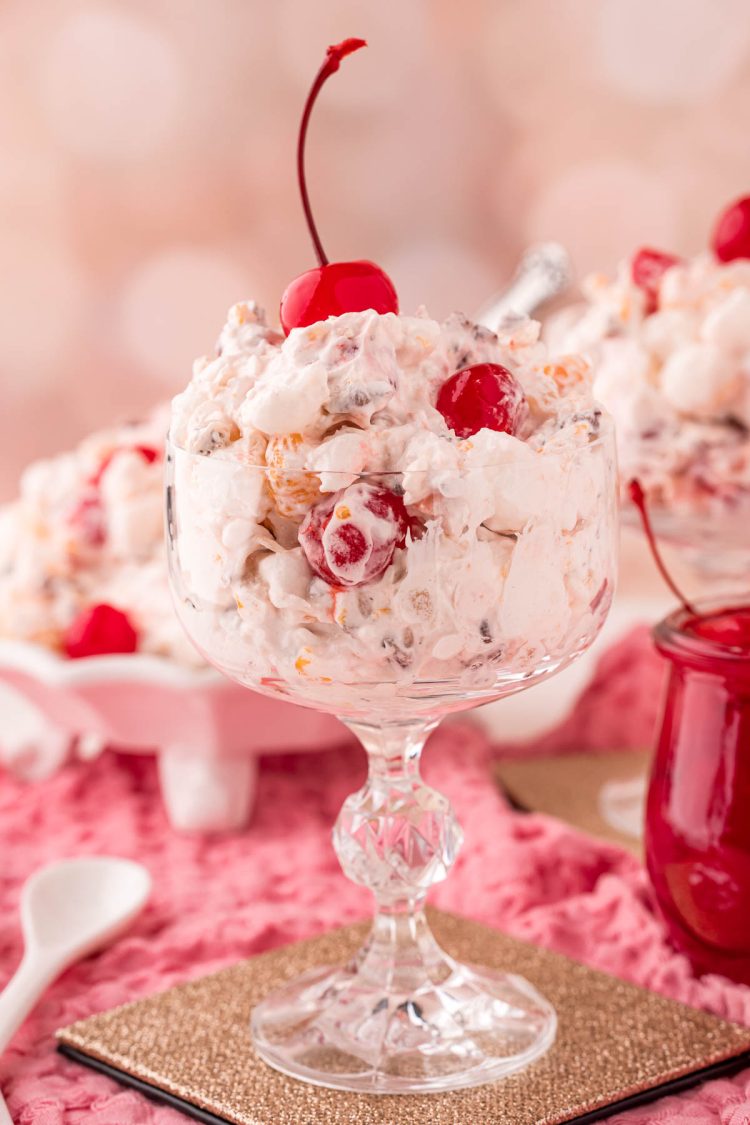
604	437
671	639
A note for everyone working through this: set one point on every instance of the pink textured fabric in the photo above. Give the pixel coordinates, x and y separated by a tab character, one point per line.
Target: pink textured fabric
223	898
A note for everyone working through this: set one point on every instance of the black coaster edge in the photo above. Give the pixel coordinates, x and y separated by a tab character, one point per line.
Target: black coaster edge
722	1069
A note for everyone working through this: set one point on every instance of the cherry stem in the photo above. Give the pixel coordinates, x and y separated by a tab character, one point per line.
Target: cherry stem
638	498
333	58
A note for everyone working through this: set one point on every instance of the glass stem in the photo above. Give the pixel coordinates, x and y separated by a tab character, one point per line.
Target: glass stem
397	836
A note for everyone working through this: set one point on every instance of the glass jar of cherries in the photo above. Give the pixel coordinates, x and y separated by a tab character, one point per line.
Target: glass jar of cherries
698	807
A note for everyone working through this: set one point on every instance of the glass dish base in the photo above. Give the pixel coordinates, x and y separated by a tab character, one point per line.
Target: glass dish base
463	1026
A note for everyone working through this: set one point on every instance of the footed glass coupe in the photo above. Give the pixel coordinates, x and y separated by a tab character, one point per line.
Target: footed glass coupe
377	599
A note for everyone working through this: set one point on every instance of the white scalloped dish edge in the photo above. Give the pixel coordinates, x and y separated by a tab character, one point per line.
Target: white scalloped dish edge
208	732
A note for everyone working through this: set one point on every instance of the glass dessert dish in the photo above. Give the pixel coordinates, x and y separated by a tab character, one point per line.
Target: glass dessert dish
715	544
697	832
436	615
390	519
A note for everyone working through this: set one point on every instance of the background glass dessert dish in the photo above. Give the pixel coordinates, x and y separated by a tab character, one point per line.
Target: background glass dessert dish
714	544
458	616
92	654
670	338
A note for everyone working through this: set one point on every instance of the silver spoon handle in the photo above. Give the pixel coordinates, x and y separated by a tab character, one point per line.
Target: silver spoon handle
544	271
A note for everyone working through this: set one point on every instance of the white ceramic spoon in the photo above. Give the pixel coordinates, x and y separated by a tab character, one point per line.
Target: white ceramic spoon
68	910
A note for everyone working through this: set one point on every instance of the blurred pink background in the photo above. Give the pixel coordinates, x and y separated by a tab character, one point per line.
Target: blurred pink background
147	166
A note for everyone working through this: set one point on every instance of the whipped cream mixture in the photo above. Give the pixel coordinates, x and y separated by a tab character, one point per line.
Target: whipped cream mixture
676	379
330	529
87	529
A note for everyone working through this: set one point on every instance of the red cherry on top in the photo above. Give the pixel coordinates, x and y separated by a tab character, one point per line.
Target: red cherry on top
731	237
332	288
98	631
647	269
483	397
350	538
335	289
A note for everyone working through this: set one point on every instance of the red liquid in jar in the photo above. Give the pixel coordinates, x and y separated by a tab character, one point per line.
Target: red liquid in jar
698	809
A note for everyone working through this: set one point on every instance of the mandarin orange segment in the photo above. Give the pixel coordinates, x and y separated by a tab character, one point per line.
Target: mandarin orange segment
294	490
568	371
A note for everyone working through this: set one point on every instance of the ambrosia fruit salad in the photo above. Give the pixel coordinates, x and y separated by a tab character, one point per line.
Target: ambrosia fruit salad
82	550
670	340
362	497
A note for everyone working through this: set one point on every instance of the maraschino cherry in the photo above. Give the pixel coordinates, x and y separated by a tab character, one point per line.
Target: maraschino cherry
147	452
647	269
729	627
99	631
350	538
482	397
731	237
332	288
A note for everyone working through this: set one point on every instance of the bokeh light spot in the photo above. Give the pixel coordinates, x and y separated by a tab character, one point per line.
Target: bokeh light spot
443	276
604	211
173	307
379	75
670	51
110	83
42	297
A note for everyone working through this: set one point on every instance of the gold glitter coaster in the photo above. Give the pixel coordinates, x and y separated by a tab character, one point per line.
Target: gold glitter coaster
569	786
616	1044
